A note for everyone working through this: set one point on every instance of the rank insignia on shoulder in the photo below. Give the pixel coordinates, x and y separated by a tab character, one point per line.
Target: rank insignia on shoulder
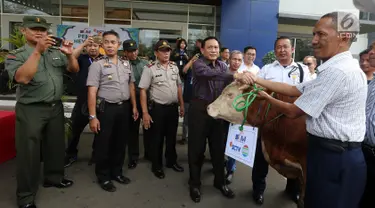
151	64
18	50
173	63
99	58
11	56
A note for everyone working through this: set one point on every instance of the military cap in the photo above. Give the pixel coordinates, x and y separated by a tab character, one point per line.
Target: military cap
129	45
162	44
32	22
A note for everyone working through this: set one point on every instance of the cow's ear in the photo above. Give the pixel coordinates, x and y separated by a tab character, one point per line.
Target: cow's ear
244	87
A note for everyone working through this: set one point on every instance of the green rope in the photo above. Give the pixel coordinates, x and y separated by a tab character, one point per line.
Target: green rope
245	103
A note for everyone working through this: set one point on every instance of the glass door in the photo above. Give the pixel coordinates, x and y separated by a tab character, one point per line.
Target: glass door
150	32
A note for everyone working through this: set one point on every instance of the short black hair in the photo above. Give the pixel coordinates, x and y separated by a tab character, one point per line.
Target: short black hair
364	52
282	38
223	49
248	48
209	38
111	32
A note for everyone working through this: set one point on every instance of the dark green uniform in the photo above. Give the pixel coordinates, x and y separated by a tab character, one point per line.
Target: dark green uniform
39	118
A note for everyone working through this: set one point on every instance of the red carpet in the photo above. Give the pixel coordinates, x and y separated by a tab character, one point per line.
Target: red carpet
7	135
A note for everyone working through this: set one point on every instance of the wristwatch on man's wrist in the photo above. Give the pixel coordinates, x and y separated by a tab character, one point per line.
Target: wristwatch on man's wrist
92	117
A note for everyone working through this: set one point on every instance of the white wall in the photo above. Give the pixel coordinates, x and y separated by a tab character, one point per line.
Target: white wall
315	8
360	45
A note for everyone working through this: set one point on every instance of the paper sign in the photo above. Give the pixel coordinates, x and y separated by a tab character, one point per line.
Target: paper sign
241	146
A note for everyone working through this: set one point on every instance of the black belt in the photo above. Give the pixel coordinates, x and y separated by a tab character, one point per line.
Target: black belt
369	148
165	105
49	104
333	144
118	103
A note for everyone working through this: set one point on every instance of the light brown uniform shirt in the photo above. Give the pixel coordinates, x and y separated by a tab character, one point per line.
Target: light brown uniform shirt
163	83
111	80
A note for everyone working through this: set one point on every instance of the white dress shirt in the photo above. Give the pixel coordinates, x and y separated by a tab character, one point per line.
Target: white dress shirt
254	68
289	74
335	101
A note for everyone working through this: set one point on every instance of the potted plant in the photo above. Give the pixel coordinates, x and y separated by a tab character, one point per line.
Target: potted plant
269	58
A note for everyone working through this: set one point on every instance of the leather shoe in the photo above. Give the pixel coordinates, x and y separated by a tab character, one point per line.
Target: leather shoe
195	194
258	198
176	167
108	186
31	205
159	174
228	178
121	179
64	183
226	191
132	164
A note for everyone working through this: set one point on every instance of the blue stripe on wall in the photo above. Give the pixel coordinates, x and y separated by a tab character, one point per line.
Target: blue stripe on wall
249	22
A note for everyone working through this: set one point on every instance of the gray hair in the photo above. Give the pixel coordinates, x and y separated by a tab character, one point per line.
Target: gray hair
312	57
234	52
344	22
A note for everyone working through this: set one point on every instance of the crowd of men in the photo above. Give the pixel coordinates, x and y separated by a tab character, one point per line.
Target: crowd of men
118	94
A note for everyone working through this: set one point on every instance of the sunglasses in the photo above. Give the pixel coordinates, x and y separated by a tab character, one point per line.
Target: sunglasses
307	64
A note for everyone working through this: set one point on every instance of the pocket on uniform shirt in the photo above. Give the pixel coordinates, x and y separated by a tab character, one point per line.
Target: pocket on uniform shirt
159	79
59	66
108	73
174	76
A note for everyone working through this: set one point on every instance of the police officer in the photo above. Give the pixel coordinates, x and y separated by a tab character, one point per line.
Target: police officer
131	53
79	120
110	88
285	70
162	78
38	69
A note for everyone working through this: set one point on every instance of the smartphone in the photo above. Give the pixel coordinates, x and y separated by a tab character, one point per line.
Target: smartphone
58	41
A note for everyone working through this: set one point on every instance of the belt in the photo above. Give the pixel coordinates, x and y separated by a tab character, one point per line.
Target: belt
51	104
166	105
369	148
118	103
335	145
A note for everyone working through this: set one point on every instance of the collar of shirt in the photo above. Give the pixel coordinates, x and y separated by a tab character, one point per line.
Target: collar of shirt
277	63
136	61
210	63
160	66
333	60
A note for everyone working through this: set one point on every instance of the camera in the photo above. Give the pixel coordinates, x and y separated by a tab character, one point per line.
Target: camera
58	41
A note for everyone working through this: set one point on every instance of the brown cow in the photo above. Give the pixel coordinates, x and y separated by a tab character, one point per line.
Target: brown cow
284	140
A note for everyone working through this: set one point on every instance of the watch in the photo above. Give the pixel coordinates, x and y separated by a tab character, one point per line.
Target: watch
92	117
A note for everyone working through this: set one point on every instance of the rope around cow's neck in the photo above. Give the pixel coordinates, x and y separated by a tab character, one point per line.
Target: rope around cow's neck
246	103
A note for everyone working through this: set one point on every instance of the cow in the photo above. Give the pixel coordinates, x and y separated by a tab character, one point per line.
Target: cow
284	140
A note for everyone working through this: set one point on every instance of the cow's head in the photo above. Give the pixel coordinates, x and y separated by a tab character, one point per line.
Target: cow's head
223	108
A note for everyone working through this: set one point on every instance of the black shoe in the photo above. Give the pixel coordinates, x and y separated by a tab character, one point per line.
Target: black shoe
31	205
108	186
195	194
229	178
65	183
69	160
159	174
132	164
258	198
182	141
293	196
226	191
121	179
176	167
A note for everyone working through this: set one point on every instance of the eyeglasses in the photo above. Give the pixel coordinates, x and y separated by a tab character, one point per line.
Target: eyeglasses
307	64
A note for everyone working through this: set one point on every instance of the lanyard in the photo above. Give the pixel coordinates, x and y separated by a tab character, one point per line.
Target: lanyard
90	60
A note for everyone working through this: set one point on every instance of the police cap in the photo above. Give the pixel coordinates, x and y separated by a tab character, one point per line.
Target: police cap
129	45
161	44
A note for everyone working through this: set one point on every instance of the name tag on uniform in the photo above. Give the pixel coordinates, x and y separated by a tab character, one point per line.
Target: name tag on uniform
56	58
158	75
181	63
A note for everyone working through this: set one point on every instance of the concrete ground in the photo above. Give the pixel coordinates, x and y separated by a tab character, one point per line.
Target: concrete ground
145	191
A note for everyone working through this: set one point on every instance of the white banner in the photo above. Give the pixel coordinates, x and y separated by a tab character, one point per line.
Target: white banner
241	146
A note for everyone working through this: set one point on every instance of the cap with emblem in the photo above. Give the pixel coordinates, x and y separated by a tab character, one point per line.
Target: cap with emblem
33	22
161	44
129	45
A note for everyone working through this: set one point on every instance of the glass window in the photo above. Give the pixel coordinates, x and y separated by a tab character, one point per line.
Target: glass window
160	12
117	10
302	49
75	8
371	16
116	23
202	14
40	7
198	32
363	15
74	21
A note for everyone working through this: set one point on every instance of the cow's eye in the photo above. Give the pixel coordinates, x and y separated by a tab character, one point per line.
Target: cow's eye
230	94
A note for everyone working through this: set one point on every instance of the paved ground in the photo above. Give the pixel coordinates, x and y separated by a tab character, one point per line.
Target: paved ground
145	191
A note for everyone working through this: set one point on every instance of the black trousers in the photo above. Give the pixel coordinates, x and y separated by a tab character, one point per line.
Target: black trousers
260	171
165	123
110	142
79	122
201	127
133	144
367	198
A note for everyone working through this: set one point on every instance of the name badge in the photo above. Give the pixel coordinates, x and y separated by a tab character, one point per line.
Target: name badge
181	63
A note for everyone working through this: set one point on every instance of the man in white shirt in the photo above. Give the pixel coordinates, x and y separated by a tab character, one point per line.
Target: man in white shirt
248	60
334	105
284	70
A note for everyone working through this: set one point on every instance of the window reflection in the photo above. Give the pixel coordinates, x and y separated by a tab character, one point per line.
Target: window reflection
40	7
199	32
75	8
160	12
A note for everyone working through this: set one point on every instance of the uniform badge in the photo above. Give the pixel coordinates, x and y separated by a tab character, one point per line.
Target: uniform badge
126	63
110	77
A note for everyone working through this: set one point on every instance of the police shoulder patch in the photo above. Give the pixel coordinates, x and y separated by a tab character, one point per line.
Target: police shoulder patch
151	64
173	63
99	58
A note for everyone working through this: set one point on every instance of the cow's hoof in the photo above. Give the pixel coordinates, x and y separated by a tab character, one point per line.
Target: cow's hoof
258	198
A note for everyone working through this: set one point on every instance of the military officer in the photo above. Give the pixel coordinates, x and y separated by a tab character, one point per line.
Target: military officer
162	78
110	88
38	68
131	53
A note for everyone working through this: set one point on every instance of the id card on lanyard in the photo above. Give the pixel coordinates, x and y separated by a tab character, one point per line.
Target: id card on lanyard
90	60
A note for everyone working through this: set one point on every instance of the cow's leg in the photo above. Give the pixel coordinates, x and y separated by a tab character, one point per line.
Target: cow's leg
302	180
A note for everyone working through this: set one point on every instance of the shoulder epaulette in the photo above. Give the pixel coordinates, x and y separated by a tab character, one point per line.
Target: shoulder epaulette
18	50
173	63
151	64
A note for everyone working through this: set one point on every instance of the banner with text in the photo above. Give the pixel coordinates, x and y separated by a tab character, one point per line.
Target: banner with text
241	146
78	34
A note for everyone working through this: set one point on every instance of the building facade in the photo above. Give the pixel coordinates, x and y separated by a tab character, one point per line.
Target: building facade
238	23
